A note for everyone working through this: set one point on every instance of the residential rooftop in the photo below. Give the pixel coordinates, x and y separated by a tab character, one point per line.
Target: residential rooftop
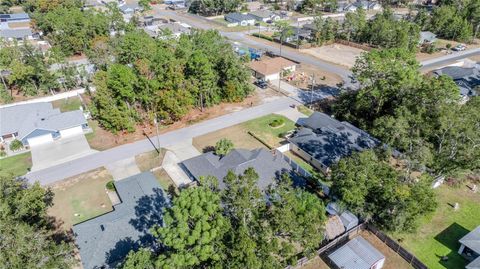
466	78
358	253
105	241
268	166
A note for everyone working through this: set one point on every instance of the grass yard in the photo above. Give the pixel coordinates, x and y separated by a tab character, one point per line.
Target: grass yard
238	134
81	197
304	110
439	233
301	162
69	104
149	160
17	165
164	179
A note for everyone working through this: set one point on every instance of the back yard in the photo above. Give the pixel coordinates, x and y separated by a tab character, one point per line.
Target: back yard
17	165
439	233
81	197
240	137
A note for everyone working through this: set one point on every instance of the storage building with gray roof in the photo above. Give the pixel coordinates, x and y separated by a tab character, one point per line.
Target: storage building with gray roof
358	253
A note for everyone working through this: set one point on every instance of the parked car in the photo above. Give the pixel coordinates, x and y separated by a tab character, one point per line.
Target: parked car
459	47
262	84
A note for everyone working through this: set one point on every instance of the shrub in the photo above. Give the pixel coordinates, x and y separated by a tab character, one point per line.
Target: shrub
16	145
223	146
259	35
3	153
110	186
277	122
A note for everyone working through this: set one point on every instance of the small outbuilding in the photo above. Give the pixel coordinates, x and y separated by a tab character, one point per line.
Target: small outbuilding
270	69
427	37
470	247
358	253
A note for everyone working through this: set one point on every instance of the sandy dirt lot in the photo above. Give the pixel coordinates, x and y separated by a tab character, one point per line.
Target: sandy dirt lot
441	43
301	78
336	53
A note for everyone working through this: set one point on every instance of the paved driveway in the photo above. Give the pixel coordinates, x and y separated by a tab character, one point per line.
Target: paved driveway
59	151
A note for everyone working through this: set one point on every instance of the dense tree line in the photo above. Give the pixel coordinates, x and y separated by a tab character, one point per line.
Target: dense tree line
215	7
416	114
455	20
315	6
236	227
28	238
166	78
383	31
368	185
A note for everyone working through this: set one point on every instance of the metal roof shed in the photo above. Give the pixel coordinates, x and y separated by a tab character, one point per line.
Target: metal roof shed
358	253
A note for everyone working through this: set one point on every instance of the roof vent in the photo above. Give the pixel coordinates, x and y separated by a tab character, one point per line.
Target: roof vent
42	119
102	227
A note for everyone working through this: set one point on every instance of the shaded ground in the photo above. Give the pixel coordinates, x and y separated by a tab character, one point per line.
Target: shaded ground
238	134
69	104
335	53
439	233
149	160
305	165
101	139
305	110
17	165
81	197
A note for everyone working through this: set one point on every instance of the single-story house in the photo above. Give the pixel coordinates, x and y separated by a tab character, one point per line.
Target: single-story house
427	37
265	15
470	246
129	9
271	68
39	123
105	241
350	8
16	27
301	33
323	140
466	78
240	19
268	165
358	253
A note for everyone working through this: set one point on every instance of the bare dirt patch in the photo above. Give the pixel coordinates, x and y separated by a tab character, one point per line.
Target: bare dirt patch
237	134
302	77
81	197
336	53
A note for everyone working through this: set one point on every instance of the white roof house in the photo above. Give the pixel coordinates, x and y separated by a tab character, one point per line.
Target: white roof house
358	253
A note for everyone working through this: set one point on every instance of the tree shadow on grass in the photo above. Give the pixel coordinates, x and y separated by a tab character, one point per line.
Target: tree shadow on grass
449	238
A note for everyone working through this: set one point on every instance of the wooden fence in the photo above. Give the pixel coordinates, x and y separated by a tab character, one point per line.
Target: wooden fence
353	44
392	244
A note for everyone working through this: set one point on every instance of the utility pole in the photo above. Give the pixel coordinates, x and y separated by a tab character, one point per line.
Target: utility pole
158	138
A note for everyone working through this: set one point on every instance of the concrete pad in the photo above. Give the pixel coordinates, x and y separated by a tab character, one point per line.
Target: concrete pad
184	150
293	114
177	174
123	168
60	151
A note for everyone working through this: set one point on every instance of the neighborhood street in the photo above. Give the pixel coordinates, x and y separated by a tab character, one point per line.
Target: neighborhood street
74	167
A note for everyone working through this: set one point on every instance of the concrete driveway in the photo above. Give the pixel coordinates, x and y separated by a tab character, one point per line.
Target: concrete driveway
59	151
176	154
123	168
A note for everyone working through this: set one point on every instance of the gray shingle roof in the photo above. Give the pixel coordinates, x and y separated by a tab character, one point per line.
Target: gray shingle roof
472	240
14	17
327	140
23	119
356	254
15	33
263	14
268	166
475	264
107	239
238	17
465	78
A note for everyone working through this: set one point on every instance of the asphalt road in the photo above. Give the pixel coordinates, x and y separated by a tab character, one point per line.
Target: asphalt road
445	60
74	167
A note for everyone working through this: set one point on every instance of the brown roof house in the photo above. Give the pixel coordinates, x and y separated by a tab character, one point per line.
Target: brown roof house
270	69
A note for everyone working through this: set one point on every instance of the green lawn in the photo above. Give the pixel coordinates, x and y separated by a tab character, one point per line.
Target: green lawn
164	179
304	110
439	233
17	165
261	128
69	104
301	162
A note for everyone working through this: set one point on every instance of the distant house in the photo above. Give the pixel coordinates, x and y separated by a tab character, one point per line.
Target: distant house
427	37
240	19
324	140
299	33
106	240
358	253
129	9
466	78
368	5
16	27
270	69
269	166
265	16
470	247
39	123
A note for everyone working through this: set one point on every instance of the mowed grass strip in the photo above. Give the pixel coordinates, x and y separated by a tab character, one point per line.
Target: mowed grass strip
81	197
17	165
69	104
238	134
439	233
